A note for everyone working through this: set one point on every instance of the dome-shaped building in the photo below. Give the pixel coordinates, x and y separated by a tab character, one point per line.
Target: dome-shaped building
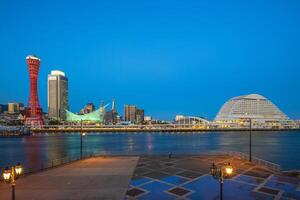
263	113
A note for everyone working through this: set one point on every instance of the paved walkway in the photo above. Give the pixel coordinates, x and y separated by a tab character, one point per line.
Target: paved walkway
94	178
155	178
188	178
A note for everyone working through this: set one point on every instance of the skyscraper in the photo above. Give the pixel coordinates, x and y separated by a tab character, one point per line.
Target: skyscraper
34	114
130	113
13	108
139	116
58	100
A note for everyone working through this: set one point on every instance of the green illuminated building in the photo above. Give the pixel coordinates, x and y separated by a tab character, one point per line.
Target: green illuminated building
95	116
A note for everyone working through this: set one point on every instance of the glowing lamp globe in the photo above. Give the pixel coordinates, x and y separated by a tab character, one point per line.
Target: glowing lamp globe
6	174
18	169
228	169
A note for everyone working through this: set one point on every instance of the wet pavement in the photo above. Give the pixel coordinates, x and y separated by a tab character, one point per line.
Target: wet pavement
188	177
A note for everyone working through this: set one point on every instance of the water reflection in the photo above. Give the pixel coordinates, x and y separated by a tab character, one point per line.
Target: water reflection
279	147
33	151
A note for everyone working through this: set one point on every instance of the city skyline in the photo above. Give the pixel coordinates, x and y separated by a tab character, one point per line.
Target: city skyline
156	67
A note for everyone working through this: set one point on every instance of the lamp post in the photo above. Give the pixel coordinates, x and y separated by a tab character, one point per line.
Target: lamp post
10	176
219	173
81	137
250	139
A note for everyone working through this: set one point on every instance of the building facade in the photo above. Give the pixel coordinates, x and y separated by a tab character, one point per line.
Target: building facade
111	116
88	108
129	113
261	112
139	117
3	108
58	101
96	116
133	114
13	108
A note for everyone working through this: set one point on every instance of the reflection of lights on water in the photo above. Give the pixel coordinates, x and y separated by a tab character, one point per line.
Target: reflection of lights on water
130	143
149	142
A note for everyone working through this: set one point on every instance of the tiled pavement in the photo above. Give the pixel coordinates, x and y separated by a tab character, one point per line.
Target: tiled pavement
187	177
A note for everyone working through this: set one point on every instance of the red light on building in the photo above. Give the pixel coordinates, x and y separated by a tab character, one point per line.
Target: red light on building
34	115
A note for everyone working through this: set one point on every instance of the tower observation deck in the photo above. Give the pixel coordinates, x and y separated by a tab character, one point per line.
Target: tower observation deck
34	115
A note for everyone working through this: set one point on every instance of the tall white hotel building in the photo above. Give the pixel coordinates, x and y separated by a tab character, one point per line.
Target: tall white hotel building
58	101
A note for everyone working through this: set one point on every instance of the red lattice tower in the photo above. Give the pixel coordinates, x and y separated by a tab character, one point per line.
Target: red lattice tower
34	114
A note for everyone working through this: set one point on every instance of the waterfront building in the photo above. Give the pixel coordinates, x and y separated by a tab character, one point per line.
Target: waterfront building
96	116
13	108
139	116
88	108
133	114
238	111
3	108
34	114
147	118
298	123
130	113
111	117
58	101
179	117
191	120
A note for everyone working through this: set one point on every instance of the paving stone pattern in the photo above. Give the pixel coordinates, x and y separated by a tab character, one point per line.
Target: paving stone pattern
187	177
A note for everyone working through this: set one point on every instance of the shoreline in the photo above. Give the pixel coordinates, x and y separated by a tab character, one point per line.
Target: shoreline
133	130
45	130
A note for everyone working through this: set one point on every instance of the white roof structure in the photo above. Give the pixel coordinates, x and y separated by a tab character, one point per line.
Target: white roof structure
33	57
57	73
253	106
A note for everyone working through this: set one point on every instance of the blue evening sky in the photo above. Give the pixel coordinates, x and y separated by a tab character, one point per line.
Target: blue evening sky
168	57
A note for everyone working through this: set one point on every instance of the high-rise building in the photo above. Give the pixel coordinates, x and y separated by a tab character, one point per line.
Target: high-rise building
139	116
13	108
34	114
133	114
58	101
130	113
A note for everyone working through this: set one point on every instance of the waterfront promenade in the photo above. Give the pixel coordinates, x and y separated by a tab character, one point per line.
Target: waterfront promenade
144	128
156	177
103	178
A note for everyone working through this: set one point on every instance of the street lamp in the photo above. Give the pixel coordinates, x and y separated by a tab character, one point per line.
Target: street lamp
81	136
10	176
220	173
250	139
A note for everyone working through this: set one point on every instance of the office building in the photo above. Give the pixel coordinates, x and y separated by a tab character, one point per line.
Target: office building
129	113
139	116
133	114
13	108
58	101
